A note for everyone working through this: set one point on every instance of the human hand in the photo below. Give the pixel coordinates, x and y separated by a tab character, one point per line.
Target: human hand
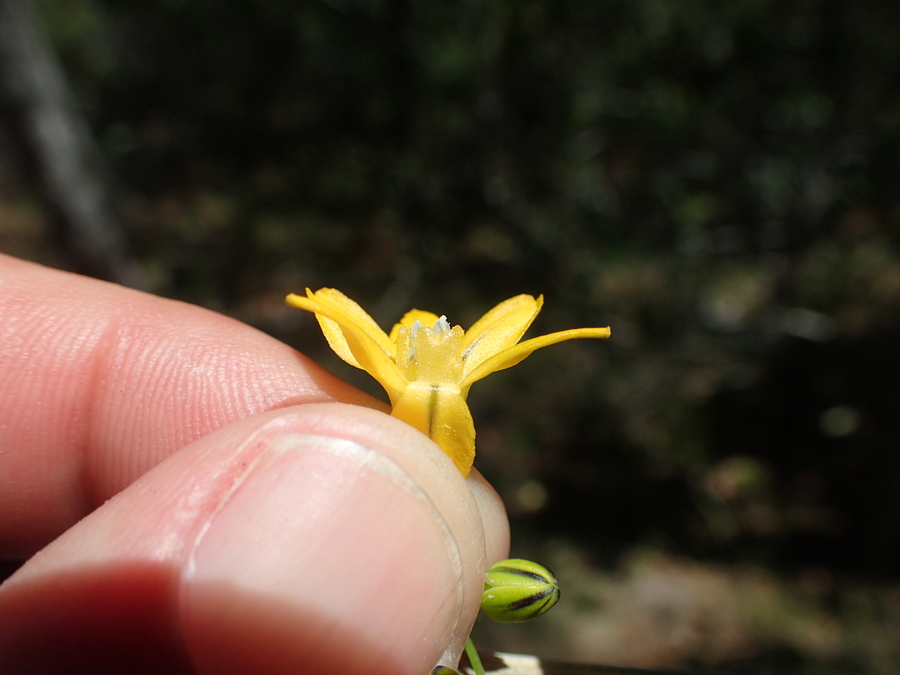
206	501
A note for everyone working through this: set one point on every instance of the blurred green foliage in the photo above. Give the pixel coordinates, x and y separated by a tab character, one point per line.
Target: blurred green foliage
716	181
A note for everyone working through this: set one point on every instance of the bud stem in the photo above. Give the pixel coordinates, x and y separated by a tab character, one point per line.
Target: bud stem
474	659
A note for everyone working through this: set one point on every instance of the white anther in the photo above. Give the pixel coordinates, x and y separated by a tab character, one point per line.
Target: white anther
413	331
441	325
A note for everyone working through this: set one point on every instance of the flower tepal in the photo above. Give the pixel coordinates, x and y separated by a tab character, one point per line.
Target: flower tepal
427	366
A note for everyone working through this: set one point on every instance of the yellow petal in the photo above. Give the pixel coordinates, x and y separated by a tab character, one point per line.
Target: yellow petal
331	303
375	362
499	329
413	315
440	412
336	339
510	357
354	336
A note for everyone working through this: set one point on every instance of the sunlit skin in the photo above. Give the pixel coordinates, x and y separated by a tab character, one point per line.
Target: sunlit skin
427	366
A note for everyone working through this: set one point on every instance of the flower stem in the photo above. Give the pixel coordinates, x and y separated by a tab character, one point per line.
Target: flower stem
474	659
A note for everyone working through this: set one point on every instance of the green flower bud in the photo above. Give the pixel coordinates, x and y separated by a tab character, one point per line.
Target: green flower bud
518	590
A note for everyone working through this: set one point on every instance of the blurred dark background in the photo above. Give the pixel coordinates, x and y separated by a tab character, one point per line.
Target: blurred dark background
717	484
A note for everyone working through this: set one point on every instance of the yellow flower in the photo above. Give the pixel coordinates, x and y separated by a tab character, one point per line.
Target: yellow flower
426	366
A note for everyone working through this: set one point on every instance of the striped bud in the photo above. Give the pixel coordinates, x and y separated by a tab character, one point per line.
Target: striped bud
518	590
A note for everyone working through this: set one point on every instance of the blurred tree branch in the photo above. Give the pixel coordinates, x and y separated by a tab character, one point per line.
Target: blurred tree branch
58	148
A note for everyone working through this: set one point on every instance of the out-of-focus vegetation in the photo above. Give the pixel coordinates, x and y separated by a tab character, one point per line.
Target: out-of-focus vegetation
716	181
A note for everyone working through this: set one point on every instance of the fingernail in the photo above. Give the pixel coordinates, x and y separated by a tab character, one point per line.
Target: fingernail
324	545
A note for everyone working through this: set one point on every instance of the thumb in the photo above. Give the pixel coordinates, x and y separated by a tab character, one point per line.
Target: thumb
325	538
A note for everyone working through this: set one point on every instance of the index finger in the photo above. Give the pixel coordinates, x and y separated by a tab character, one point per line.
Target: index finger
100	383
